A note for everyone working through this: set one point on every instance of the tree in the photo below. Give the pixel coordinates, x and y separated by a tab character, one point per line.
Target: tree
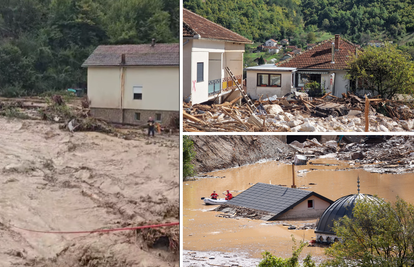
188	156
326	24
387	70
311	38
261	61
271	261
379	234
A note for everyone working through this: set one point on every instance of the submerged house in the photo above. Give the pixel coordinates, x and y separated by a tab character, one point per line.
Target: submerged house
325	63
130	83
208	49
281	203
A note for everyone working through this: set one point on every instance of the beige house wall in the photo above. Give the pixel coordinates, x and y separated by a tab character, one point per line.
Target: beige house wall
104	87
160	90
301	211
160	87
160	93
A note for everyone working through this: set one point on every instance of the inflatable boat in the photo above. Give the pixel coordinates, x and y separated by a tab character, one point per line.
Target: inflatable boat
209	201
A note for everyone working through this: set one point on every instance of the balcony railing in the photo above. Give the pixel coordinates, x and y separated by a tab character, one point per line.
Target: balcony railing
214	87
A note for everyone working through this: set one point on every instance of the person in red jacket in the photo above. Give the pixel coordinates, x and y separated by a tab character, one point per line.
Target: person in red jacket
229	195
214	195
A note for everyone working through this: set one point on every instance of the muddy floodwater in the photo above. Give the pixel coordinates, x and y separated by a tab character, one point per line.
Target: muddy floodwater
204	231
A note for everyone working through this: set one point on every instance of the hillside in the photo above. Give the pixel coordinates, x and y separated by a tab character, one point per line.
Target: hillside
358	20
222	152
43	43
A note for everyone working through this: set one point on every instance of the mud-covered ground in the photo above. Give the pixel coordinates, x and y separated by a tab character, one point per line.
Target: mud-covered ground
54	180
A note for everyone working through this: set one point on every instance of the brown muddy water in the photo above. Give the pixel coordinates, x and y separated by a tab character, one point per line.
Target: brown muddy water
204	231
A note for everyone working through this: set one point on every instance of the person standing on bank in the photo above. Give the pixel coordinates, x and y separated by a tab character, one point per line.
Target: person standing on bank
151	127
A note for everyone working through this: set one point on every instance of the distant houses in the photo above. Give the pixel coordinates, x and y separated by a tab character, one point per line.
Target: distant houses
375	43
271	42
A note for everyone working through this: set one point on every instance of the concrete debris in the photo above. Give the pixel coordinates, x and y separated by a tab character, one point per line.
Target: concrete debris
214	258
303	114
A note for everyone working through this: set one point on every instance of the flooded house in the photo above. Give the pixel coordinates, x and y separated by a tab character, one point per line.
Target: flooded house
129	83
281	203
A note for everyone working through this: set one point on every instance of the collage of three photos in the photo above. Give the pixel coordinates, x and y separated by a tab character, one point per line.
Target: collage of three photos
206	133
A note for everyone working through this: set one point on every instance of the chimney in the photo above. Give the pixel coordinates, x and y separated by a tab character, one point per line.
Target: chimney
333	53
337	40
123	59
153	42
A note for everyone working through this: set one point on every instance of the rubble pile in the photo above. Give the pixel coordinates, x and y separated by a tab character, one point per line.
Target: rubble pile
155	237
303	114
237	212
315	147
393	155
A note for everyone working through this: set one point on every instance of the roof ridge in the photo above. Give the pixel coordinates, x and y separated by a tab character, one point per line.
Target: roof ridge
317	45
215	24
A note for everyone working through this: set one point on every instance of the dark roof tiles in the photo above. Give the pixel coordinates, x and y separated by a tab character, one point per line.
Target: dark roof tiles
135	55
272	198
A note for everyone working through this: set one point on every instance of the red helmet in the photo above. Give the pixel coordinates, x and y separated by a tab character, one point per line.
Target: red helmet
227	191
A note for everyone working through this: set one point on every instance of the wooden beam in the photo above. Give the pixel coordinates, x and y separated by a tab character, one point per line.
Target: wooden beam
190	117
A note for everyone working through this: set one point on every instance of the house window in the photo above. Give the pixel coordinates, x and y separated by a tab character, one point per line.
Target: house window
274	80
137	92
200	72
158	116
310	204
137	116
307	78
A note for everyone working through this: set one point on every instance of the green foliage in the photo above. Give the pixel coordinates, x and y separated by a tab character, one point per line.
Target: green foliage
387	70
380	234
314	89
188	156
270	260
12	112
311	37
257	20
351	18
43	43
261	60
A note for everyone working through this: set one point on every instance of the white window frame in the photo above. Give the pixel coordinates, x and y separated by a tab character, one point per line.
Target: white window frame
136	89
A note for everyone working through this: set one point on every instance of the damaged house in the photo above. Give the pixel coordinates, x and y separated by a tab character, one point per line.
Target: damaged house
129	83
281	203
208	49
325	63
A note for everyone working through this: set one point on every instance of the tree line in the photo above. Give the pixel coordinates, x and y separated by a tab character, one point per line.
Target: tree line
358	20
43	43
